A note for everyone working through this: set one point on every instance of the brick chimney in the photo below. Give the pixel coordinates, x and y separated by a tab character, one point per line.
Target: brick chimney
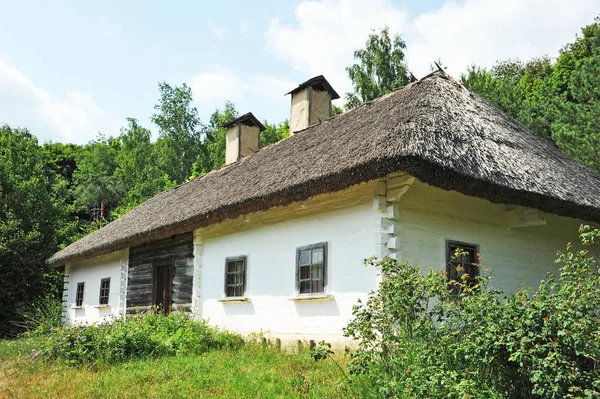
311	103
242	138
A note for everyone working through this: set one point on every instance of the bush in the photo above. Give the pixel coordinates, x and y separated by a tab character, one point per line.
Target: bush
417	340
43	313
141	335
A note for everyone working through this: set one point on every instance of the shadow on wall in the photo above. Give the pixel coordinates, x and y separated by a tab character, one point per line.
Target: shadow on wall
234	309
311	309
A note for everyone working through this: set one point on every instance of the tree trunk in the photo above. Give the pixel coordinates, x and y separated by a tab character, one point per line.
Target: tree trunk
101	213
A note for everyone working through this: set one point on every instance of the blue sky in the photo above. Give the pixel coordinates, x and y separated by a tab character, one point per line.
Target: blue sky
71	69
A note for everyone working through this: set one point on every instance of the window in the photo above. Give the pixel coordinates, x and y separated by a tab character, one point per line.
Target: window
79	294
235	277
311	269
104	291
461	265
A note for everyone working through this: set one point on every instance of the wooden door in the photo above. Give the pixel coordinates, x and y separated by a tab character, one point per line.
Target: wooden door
163	288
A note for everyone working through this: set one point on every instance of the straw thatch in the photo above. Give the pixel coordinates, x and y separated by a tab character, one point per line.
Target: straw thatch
434	129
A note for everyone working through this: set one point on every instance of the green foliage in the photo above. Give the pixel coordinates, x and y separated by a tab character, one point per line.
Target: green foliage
180	131
557	100
44	312
274	133
417	340
576	128
380	70
214	141
137	170
252	371
335	110
97	188
138	336
31	210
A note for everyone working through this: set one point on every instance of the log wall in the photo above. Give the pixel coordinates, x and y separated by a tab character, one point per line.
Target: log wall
177	251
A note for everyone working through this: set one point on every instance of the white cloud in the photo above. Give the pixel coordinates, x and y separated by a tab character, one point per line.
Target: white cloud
212	89
74	118
218	31
217	86
484	31
326	33
270	87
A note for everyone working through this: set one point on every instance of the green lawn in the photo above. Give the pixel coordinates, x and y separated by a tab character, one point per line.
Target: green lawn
252	372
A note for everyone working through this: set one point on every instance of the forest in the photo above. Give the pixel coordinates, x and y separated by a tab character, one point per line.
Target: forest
52	194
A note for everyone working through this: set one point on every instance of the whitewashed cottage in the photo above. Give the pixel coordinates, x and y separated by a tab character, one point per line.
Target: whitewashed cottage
275	240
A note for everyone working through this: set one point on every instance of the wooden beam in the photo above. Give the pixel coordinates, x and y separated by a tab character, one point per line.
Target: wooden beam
397	185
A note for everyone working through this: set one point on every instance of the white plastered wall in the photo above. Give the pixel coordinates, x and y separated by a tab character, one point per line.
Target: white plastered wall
91	272
320	106
401	217
249	140
270	246
232	145
299	110
517	256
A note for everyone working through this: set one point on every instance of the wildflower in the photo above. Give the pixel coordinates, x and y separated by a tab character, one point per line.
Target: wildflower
34	354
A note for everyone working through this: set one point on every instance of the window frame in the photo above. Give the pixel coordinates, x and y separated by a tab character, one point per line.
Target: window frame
466	246
229	259
324	246
101	302
78	299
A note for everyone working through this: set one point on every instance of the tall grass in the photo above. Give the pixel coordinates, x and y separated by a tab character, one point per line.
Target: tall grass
137	336
251	371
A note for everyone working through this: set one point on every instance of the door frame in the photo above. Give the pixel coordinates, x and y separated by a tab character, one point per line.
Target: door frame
156	266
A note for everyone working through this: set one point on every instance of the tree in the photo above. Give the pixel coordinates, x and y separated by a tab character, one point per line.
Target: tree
556	100
274	133
214	140
97	187
31	211
179	145
576	129
335	110
62	159
380	70
136	167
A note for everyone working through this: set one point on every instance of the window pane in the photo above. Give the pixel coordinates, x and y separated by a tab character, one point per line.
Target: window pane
230	266
305	287
317	271
317	286
305	257
317	255
104	291
230	291
304	272
234	280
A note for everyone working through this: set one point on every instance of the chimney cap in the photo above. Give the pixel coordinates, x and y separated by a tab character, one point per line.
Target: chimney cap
318	82
247	119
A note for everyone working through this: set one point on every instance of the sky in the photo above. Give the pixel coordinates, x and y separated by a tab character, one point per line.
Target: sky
72	69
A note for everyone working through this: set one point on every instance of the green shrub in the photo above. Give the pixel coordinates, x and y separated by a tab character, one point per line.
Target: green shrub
41	315
416	340
140	335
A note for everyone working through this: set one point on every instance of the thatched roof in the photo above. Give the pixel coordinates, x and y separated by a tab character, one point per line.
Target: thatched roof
434	129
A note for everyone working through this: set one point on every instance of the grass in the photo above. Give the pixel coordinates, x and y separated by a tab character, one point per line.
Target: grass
251	372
